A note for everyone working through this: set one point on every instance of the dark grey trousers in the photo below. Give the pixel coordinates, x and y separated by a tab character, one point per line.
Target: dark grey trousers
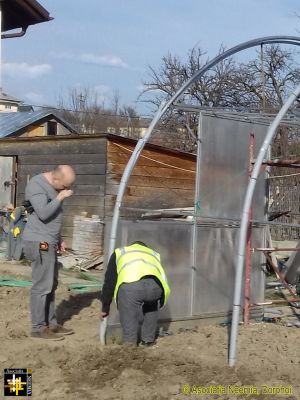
44	283
134	298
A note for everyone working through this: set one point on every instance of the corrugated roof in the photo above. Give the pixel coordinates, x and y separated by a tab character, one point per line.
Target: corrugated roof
6	97
14	123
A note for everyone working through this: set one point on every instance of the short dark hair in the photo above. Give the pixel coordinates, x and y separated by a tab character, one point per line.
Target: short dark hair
140	243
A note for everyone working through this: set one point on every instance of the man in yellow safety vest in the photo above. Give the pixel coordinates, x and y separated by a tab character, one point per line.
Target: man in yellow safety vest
137	281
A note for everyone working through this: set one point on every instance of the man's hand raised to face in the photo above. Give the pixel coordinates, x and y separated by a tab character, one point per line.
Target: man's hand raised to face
63	194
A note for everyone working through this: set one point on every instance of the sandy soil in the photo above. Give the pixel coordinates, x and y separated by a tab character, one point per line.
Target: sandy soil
79	368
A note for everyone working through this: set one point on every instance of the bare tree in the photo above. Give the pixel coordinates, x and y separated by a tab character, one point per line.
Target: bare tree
115	102
228	84
260	84
264	83
129	114
210	90
83	108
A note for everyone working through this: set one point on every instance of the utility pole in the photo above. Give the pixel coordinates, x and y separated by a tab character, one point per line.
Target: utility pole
263	78
82	99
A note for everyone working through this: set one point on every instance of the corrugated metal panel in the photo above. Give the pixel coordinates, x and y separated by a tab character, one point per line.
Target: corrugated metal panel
8	98
13	122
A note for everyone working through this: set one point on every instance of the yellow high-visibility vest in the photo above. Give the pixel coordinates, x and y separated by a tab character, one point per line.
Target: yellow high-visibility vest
16	231
136	261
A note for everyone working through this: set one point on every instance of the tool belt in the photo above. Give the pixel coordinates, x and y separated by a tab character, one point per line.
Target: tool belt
28	207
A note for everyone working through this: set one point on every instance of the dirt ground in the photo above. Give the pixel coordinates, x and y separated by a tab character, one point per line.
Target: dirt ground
79	368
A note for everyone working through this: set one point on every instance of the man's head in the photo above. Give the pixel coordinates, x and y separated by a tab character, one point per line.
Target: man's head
62	177
140	243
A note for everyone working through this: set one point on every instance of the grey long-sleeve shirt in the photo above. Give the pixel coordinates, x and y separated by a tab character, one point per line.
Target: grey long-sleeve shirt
44	224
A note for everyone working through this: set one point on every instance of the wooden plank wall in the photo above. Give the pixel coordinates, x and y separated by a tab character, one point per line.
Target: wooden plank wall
86	154
160	179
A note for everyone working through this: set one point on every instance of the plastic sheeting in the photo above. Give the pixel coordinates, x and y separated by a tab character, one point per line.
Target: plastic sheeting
199	255
223	159
214	267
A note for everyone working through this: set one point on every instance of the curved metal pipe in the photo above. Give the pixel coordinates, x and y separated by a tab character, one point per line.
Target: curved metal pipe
164	107
102	330
126	175
294	40
244	224
14	35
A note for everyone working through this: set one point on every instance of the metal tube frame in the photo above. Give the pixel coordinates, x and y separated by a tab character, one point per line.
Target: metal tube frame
244	223
276	249
195	230
249	239
293	40
283	301
0	47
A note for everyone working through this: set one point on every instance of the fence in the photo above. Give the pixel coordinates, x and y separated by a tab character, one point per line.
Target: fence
284	197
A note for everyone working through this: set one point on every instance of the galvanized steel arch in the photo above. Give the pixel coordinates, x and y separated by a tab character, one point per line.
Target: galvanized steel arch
292	40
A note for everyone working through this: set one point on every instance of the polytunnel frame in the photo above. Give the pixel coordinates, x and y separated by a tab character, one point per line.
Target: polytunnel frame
244	224
163	108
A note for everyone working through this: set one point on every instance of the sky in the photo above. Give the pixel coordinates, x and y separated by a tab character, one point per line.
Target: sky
108	45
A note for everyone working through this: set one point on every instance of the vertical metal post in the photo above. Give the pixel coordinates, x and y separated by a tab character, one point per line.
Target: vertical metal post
0	48
263	77
248	259
196	210
244	223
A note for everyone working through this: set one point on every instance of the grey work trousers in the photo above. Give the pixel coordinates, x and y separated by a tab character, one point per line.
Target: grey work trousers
44	283
134	298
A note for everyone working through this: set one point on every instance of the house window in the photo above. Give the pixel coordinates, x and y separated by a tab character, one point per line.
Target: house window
8	106
51	128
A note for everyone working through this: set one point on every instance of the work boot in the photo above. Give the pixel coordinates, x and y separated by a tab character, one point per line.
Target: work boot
47	334
59	329
295	304
147	344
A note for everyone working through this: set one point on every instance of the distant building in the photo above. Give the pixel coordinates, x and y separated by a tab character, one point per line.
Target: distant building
8	103
34	123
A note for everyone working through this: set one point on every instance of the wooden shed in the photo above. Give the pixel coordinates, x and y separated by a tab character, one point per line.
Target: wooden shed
162	178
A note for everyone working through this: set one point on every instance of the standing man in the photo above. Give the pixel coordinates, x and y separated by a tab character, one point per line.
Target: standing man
44	195
136	279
